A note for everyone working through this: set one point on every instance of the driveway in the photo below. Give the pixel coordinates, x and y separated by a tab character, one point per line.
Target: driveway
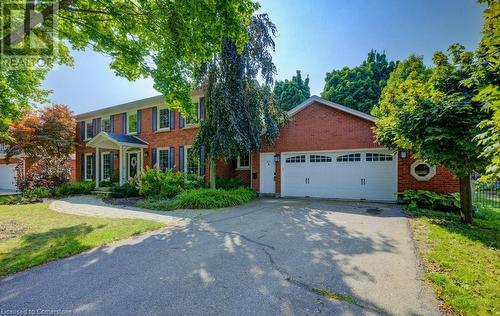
262	258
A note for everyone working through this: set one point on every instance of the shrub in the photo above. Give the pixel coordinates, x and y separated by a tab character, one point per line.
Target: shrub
209	198
156	183
431	200
36	194
46	172
154	203
228	184
126	190
72	188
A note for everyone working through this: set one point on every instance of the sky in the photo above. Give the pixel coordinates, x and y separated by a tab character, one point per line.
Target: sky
314	36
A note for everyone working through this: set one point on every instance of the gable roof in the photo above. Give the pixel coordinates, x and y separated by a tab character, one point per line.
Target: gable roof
339	107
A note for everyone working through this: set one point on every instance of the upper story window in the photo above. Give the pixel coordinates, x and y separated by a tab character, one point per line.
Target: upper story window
378	157
195	119
243	161
89	130
163	118
349	157
106	124
296	159
320	158
132	122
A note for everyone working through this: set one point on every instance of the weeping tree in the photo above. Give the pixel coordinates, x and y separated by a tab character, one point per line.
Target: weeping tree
239	111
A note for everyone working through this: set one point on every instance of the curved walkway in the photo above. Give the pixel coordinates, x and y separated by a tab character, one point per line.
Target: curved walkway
88	205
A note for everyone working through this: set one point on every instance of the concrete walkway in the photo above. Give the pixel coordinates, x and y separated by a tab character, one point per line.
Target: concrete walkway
88	205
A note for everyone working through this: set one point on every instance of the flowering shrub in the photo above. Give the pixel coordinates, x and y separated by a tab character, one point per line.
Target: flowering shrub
154	183
45	173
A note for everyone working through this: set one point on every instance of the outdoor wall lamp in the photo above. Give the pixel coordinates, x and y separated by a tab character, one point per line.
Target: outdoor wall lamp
145	153
277	158
117	155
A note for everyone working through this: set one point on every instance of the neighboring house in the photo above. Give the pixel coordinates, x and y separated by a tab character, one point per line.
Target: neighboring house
325	150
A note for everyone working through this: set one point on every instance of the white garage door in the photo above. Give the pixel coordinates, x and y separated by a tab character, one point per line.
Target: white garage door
344	175
8	177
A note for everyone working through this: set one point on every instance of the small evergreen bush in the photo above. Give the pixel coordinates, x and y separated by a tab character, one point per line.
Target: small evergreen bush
432	200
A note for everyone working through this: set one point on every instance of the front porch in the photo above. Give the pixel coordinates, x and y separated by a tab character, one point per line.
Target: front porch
127	148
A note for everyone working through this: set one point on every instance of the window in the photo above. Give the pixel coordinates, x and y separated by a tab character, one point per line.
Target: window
106	124
422	171
320	158
106	166
296	159
195	119
163	119
88	167
349	157
163	158
191	162
132	122
378	157
243	161
89	130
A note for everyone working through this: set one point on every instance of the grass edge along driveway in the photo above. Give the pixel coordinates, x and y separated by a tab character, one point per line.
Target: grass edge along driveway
33	234
461	261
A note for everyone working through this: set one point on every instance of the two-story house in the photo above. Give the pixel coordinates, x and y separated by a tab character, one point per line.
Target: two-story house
325	150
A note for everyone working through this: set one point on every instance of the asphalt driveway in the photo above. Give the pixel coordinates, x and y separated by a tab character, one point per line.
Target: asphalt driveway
263	258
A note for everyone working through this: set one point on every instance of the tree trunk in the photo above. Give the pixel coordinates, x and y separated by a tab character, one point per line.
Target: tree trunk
212	173
466	199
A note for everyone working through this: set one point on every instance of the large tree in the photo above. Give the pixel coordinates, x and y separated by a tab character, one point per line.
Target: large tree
164	40
359	87
290	93
430	112
239	110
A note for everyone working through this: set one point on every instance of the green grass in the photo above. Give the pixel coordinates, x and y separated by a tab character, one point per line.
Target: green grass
200	199
462	262
32	234
334	296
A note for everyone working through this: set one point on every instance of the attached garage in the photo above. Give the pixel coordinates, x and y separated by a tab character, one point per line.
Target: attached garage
8	177
369	175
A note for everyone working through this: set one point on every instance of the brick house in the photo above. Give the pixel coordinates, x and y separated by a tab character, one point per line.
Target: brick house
325	150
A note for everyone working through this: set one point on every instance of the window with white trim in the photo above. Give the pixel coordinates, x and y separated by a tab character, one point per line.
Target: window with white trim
191	162
243	161
320	158
195	118
106	124
88	167
163	158
132	122
106	166
349	157
296	159
163	118
378	157
89	130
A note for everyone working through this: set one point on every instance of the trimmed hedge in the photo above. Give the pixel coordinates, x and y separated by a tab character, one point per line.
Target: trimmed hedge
73	188
210	198
432	200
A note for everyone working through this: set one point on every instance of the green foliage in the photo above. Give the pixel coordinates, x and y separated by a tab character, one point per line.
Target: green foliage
154	203
36	194
239	109
156	183
128	189
183	34
229	184
359	87
74	188
431	200
290	93
211	198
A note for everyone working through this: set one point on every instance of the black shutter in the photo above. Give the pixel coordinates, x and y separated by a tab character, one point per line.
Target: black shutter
202	108
153	157
154	119
82	167
202	161
171	157
172	119
112	124
98	172
93	166
138	121
111	164
94	127
181	158
124	123
98	127
82	130
181	120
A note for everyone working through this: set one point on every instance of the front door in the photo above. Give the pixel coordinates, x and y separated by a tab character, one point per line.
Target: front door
133	164
267	173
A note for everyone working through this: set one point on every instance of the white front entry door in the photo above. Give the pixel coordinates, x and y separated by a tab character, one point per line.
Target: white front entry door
8	177
267	173
369	175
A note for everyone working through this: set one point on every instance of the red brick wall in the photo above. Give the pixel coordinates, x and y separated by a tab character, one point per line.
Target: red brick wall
442	182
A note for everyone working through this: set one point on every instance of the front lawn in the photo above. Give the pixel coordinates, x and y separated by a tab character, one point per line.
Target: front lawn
33	234
462	262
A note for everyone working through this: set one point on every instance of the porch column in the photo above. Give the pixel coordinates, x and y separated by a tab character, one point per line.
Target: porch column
122	152
141	160
97	167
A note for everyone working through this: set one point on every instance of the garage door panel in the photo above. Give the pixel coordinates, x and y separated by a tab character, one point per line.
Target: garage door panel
8	177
